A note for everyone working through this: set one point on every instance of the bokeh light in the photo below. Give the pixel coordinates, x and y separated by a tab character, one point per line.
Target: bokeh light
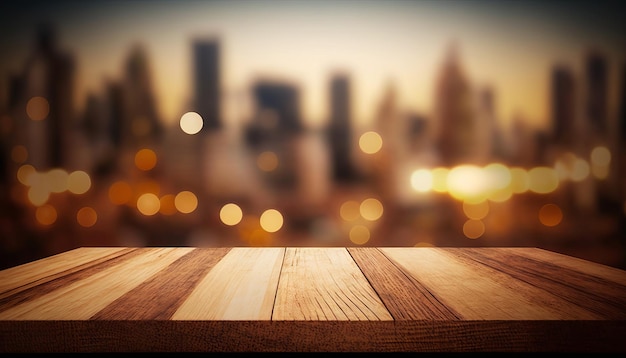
476	211
38	195
46	214
37	108
148	204
191	122
78	182
271	220
550	215
19	154
168	205
467	183
57	180
371	209
370	142
422	180
350	210
231	214
145	159
267	161
440	179
24	172
86	216
186	202
601	156
120	193
519	180
359	234
543	180
473	229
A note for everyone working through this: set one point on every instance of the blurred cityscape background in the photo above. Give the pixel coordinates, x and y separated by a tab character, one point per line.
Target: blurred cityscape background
322	123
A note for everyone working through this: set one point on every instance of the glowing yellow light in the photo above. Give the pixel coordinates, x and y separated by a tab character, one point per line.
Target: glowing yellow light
370	142
46	215
580	171
148	204
120	192
19	154
550	215
145	159
440	179
500	195
57	180
564	166
371	209
498	176
476	211
271	220
86	217
37	108
519	180
543	180
231	214
349	210
422	180
267	161
24	173
473	229
168	207
186	202
359	234
601	156
38	195
467	183
78	182
191	123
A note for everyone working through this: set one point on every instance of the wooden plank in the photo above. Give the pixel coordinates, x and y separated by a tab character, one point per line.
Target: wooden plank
242	286
79	300
574	263
325	284
36	272
595	294
163	293
404	296
477	291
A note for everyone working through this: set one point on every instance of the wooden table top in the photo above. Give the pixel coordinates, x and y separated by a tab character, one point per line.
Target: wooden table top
312	299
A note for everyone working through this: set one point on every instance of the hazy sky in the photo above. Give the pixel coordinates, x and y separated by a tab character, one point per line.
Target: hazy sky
509	45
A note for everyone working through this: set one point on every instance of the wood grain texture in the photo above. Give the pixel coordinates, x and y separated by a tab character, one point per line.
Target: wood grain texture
478	291
404	296
278	299
325	284
242	286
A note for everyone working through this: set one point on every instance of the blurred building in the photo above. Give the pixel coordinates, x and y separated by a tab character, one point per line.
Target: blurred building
207	83
459	128
41	103
340	129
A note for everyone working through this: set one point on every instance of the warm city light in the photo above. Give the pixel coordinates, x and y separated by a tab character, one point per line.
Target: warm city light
86	216
550	215
519	180
476	211
186	202
191	122
271	220
120	192
231	214
422	180
370	142
46	214
371	209
267	161
359	234
148	204
473	229
600	156
78	182
145	159
38	195
57	180
168	205
543	180
24	172
440	179
19	154
37	108
350	210
468	183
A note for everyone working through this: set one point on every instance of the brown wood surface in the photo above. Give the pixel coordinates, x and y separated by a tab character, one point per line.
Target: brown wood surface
312	299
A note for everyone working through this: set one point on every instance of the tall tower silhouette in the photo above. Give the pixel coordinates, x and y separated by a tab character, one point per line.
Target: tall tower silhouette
206	82
563	106
456	119
340	128
596	76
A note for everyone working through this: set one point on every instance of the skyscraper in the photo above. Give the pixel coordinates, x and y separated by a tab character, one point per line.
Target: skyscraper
563	106
206	82
340	128
596	81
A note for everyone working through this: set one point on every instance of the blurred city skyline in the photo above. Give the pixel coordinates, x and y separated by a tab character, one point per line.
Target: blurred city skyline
291	123
508	46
